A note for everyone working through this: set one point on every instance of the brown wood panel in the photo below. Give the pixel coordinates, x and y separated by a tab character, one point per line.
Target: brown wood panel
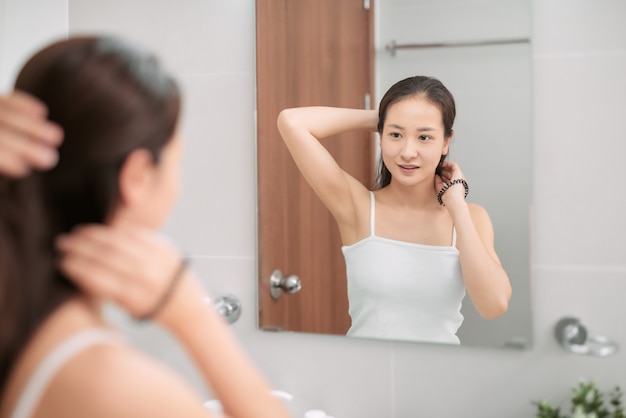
309	52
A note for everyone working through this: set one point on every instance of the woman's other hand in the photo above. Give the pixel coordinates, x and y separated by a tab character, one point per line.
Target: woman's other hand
450	171
132	266
27	139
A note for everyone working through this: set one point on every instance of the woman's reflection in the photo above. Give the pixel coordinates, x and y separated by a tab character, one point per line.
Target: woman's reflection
413	246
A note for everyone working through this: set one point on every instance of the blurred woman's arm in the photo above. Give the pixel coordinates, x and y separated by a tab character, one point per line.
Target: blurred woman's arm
134	268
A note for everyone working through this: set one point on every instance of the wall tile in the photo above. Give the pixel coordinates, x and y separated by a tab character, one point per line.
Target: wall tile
579	103
215	213
578	26
192	36
343	376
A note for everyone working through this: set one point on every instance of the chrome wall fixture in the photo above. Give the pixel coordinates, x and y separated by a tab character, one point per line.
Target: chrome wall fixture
572	336
228	306
392	46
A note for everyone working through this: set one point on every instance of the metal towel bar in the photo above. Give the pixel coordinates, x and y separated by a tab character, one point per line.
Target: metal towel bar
393	46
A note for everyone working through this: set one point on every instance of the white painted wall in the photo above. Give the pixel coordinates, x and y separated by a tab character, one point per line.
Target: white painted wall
579	268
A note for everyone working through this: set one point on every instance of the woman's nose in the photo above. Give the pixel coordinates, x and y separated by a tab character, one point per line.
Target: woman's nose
409	151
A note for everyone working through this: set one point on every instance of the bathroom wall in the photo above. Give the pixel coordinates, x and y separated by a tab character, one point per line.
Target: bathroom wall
578	267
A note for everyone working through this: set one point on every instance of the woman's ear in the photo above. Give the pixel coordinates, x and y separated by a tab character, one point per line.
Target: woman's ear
447	142
135	177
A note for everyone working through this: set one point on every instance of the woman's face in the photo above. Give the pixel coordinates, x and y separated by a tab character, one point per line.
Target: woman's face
413	141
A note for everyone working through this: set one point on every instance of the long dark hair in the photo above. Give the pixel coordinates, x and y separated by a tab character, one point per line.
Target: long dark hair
431	89
110	98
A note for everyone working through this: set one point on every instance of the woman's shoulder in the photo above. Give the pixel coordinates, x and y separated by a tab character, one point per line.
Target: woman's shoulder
118	380
479	215
477	209
94	371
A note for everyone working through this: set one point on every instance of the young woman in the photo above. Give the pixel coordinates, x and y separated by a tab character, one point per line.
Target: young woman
413	246
86	231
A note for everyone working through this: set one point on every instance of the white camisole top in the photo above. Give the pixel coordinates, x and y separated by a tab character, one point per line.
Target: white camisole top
404	291
54	361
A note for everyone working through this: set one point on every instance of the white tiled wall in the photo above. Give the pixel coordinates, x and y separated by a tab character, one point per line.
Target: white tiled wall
579	266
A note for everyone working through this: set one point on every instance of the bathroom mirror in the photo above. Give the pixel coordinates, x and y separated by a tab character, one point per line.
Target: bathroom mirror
348	53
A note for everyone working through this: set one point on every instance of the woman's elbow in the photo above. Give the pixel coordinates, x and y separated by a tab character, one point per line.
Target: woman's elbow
286	118
496	308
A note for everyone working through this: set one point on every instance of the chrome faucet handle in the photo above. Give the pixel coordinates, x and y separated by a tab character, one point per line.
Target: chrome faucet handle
572	336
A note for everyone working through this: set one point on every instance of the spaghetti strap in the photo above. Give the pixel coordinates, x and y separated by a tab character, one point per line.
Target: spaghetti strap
453	236
46	371
372	214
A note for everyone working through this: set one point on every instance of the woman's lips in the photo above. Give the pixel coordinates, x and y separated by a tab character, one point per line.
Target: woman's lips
408	168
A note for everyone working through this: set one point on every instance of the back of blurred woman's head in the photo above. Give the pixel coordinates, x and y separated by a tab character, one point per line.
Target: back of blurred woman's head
110	98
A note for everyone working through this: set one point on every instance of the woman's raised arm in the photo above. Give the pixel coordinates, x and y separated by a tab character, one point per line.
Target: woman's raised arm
302	128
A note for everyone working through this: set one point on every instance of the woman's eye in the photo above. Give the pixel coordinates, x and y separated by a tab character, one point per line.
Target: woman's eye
425	137
395	135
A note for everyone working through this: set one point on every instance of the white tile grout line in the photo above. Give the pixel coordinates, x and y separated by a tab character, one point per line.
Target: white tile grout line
580	267
222	257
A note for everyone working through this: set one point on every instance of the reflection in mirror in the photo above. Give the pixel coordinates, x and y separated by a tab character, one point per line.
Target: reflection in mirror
326	53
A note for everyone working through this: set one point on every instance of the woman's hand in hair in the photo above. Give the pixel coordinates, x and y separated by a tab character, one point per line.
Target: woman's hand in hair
27	139
134	267
450	171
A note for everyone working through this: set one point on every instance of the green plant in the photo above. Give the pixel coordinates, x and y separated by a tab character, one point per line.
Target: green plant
587	402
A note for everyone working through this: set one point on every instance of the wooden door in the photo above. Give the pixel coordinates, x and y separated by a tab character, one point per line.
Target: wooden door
309	52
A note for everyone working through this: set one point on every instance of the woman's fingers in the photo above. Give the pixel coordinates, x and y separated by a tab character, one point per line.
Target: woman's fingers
23	113
104	245
451	171
27	139
130	266
23	102
92	277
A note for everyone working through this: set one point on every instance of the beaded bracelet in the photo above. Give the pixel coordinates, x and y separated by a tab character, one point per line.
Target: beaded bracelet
167	294
446	186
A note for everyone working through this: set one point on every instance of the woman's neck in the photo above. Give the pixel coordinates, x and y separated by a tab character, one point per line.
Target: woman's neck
421	195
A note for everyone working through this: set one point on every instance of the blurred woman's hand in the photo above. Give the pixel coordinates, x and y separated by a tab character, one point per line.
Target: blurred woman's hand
132	266
27	139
